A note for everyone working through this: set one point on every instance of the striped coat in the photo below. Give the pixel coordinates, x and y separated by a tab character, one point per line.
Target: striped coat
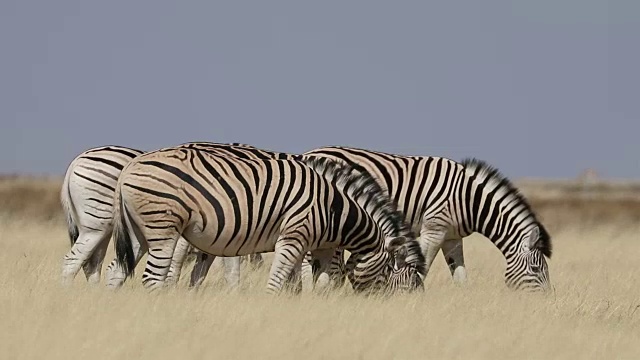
230	206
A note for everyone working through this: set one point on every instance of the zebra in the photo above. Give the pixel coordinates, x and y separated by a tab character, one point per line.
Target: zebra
334	276
203	260
87	201
444	201
229	206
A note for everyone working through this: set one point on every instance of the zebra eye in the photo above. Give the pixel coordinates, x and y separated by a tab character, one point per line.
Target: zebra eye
536	268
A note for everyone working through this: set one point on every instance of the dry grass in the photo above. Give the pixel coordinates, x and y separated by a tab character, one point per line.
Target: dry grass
593	313
33	197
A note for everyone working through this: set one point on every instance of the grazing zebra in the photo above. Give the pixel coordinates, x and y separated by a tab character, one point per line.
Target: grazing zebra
228	206
87	201
444	201
407	259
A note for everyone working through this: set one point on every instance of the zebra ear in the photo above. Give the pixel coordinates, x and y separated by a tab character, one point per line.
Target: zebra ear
400	257
395	243
534	236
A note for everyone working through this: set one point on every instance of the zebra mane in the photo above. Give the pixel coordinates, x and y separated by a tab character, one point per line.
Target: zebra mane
415	257
364	189
485	173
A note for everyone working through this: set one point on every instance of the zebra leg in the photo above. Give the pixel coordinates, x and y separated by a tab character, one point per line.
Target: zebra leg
231	271
289	252
158	241
321	268
294	284
453	253
115	274
301	277
231	266
93	268
432	236
159	260
81	251
200	269
177	261
256	260
337	271
307	278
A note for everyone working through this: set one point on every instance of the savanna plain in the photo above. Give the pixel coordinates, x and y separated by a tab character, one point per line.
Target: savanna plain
593	311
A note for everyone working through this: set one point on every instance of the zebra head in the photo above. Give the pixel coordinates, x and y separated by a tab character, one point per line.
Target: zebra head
399	267
404	267
527	268
409	270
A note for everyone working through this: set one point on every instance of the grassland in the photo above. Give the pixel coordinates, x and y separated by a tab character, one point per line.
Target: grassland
593	313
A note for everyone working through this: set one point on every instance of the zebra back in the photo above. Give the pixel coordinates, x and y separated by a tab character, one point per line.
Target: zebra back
418	186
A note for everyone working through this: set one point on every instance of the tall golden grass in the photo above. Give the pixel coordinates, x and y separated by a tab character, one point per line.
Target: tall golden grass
593	312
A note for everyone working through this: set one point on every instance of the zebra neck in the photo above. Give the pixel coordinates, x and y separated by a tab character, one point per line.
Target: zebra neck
476	211
502	220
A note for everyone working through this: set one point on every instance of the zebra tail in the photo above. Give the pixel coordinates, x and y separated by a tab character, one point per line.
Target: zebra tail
122	237
68	209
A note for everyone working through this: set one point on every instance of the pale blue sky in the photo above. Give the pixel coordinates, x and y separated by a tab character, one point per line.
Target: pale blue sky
540	88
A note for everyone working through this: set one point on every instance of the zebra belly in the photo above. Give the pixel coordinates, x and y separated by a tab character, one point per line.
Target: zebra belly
228	245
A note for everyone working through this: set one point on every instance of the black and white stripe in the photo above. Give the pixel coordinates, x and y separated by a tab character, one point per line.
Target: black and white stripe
204	260
228	206
406	276
87	200
444	201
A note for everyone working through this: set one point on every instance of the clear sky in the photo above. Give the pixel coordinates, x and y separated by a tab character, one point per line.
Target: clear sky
541	88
